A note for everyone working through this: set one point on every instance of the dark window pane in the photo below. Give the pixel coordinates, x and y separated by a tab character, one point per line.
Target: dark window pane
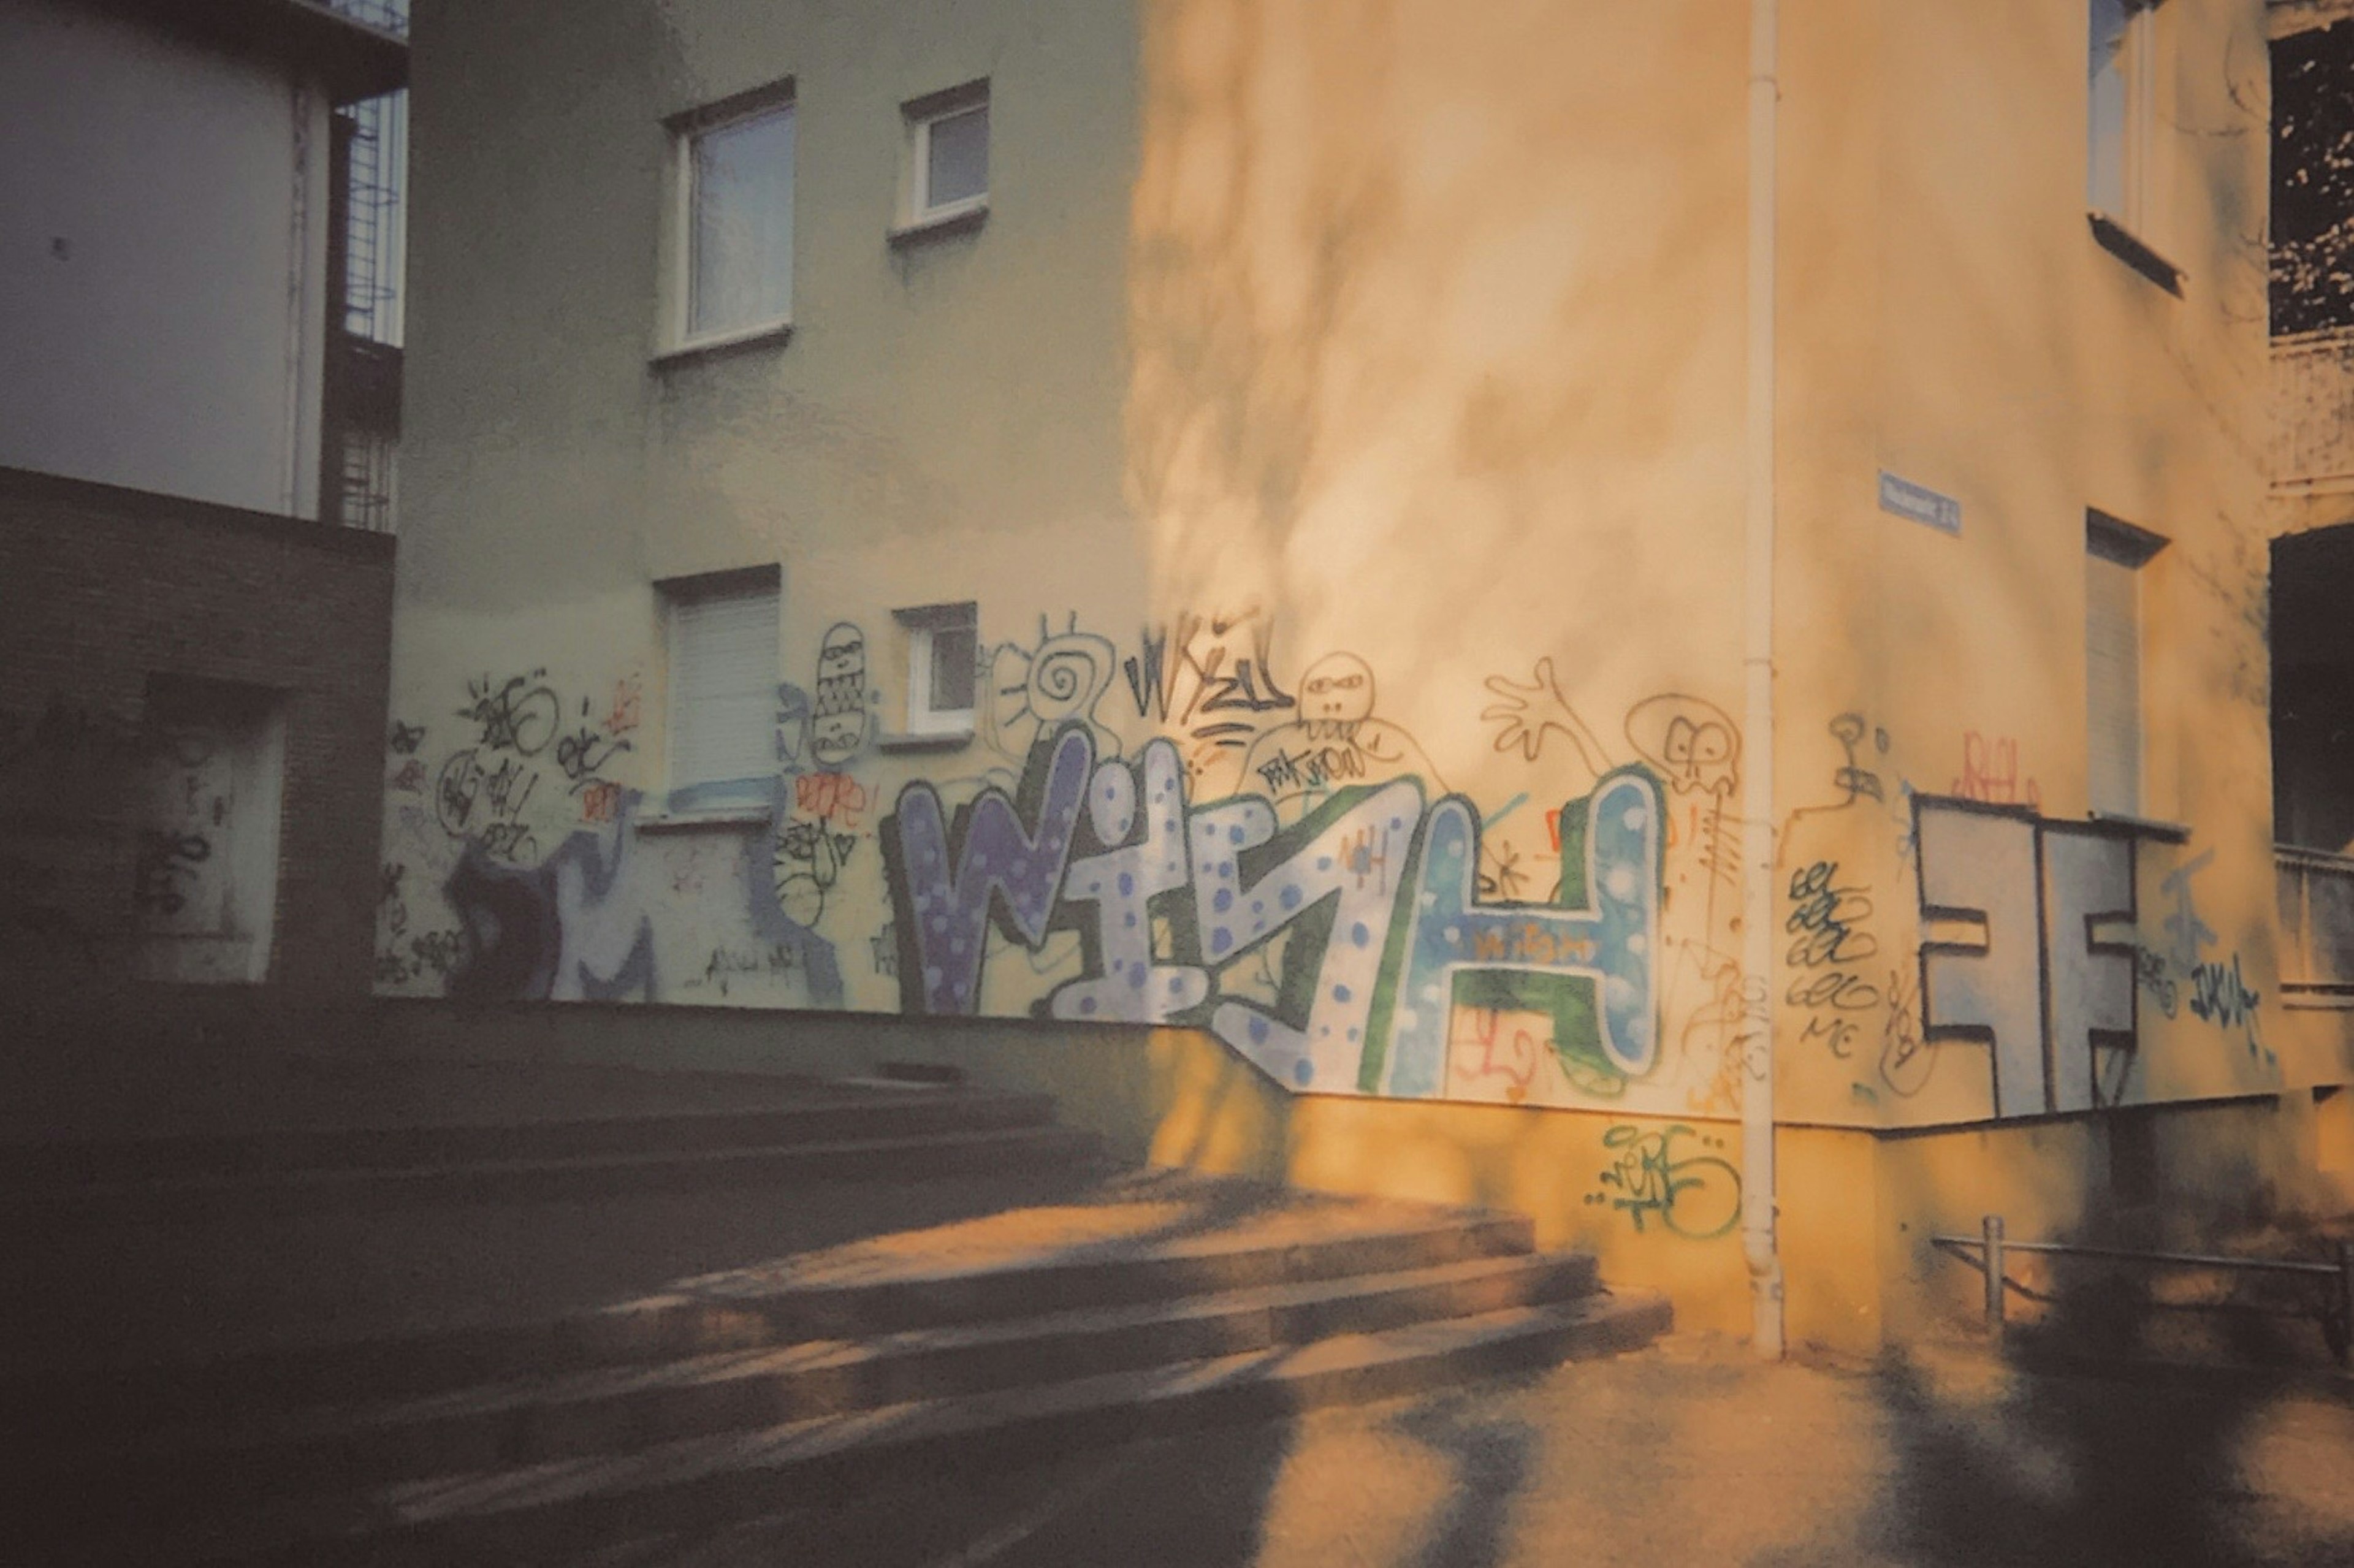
956	157
952	666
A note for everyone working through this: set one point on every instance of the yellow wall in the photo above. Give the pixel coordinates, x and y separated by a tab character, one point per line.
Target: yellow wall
1398	351
1948	316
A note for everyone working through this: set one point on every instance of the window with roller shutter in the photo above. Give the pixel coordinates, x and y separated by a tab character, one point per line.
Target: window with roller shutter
723	637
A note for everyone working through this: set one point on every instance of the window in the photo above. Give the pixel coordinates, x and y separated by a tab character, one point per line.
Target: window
2119	70
2114	553
947	174
722	680
943	653
2122	76
733	256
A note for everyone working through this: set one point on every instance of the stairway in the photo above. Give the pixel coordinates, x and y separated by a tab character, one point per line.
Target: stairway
1003	1322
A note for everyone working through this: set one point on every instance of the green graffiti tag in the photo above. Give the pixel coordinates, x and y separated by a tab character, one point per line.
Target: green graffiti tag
1693	1195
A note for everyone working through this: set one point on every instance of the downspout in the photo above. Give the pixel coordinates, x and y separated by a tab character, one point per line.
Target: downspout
1757	1240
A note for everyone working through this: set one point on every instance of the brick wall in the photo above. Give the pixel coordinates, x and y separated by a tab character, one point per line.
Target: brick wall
102	588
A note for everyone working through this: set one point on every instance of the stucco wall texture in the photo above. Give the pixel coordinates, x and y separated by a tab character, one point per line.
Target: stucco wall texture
1337	425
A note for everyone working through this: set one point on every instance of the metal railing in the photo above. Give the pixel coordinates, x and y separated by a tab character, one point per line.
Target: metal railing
2312	408
2333	1305
392	15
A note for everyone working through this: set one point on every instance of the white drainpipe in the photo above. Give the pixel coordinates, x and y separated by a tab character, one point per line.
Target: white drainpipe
1757	659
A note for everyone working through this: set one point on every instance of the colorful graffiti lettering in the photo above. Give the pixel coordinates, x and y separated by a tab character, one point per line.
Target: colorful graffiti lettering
1371	897
2035	890
834	797
600	800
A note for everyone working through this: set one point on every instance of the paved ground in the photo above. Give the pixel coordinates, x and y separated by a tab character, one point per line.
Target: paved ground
1683	1454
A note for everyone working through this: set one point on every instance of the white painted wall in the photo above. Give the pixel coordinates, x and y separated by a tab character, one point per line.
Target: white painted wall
163	261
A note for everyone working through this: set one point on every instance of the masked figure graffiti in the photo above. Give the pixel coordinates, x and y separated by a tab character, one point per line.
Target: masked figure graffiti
1335	742
837	723
1366	909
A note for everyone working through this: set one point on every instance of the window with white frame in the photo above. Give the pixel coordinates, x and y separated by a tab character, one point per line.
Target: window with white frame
2115	554
943	653
723	642
948	154
732	252
2121	70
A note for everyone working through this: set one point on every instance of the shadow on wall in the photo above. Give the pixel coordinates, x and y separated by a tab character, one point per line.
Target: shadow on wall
1366	296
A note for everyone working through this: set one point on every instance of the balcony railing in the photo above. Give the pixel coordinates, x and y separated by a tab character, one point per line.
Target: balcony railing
2313	408
392	15
2317	913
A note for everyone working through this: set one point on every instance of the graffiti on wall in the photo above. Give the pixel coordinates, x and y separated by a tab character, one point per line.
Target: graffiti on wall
1281	865
546	885
1208	681
2217	992
1991	773
1279	862
115	831
1364	907
1334	740
2030	898
1668	1175
837	716
1032	691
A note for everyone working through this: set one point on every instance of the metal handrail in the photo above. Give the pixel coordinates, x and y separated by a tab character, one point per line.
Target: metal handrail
2335	1308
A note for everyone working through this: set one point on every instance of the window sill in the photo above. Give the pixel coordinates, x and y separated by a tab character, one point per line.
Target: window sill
2119	241
722	803
937	740
2143	827
958	218
706	817
2317	996
776	332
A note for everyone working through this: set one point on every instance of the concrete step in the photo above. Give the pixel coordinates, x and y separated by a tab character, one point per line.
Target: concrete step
1019	1264
112	1327
839	1113
559	1511
191	1467
241	1199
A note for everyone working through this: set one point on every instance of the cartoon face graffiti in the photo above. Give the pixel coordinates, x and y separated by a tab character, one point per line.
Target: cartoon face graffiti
1337	689
838	714
1690	741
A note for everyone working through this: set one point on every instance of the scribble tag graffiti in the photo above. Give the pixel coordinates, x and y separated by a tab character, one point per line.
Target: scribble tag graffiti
1695	1195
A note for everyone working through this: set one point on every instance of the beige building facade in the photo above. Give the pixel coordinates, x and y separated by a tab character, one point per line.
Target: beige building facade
1517	604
